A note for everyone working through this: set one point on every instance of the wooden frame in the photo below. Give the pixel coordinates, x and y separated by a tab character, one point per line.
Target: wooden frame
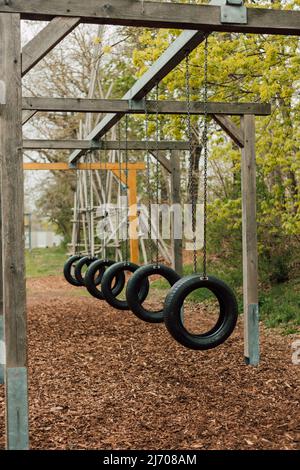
13	262
156	15
199	21
102	145
80	105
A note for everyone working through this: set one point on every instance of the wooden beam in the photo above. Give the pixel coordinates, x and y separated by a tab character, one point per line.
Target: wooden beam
133	218
60	166
139	107
36	49
2	344
102	145
231	129
164	161
156	15
26	116
174	54
176	200
250	256
14	287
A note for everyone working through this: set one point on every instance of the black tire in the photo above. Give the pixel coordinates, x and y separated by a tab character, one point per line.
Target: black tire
85	261
67	270
107	282
93	284
227	318
134	286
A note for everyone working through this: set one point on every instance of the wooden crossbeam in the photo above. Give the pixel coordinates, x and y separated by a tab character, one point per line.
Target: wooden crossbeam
36	49
231	129
173	55
156	14
164	161
26	116
61	166
102	145
139	107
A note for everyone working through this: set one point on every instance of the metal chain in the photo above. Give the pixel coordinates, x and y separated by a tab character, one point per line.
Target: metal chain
205	147
127	192
148	182
77	214
157	171
191	162
90	202
120	208
105	198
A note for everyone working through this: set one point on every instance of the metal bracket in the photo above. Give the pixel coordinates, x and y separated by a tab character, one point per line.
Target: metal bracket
253	332
97	145
137	105
232	11
17	408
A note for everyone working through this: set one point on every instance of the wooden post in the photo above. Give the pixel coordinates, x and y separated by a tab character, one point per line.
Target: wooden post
14	288
2	344
176	200
250	257
133	217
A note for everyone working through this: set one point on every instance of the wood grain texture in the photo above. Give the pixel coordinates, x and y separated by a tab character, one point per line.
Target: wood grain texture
231	129
26	116
101	145
83	166
164	161
250	255
124	106
12	193
156	14
12	187
36	49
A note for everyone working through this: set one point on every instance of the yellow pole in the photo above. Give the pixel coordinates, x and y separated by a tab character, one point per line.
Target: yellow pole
133	217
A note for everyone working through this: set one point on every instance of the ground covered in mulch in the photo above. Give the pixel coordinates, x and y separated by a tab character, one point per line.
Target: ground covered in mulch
102	379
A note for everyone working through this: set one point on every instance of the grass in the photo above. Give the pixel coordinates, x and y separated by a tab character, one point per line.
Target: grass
279	303
43	262
280	306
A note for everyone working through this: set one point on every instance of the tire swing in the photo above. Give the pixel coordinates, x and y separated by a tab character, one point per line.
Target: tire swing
70	264
111	274
155	268
174	303
94	275
86	261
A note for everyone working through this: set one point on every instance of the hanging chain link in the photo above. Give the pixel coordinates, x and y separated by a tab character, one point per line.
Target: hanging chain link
157	172
120	204
148	183
105	197
205	148
77	214
89	204
127	191
191	162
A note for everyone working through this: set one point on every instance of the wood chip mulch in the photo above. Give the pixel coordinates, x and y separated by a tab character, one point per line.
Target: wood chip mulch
102	379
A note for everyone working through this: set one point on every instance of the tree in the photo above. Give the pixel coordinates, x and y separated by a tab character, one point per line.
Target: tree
244	68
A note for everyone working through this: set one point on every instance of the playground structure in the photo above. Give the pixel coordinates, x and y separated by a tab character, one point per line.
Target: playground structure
198	21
